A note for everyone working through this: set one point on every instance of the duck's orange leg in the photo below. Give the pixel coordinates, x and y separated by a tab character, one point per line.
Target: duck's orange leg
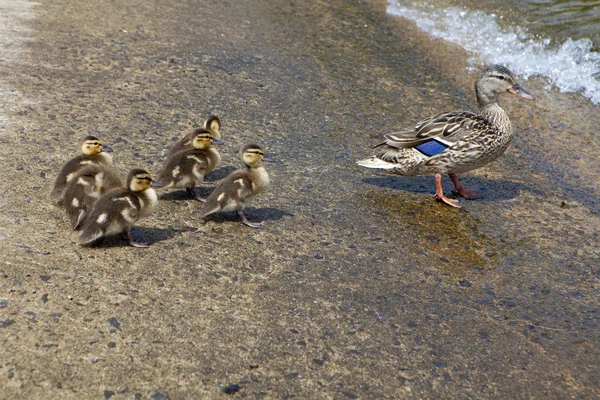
439	193
461	191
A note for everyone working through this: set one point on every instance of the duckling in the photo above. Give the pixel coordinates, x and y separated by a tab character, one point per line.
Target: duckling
94	153
236	190
212	124
116	211
82	192
186	168
454	142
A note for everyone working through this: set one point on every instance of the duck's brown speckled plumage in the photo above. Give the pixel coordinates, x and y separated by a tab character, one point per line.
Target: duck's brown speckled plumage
467	140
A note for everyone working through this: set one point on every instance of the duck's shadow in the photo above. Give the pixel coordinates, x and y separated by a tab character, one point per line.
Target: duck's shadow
141	234
253	214
490	189
204	190
220	173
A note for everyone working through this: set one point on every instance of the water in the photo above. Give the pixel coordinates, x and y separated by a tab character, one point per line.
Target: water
556	40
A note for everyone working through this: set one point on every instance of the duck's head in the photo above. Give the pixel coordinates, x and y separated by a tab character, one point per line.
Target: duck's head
203	139
498	79
252	155
91	145
213	124
139	180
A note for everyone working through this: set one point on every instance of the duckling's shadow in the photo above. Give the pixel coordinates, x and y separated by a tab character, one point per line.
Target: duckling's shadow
204	190
490	189
182	194
220	173
253	214
140	234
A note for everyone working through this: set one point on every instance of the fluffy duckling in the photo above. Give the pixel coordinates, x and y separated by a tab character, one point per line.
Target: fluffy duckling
212	124
94	152
236	190
186	168
117	211
82	192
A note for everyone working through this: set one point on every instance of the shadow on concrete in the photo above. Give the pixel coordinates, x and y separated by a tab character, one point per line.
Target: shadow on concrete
490	189
141	234
253	215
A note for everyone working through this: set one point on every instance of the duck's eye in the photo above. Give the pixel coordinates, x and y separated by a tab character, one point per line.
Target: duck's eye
500	77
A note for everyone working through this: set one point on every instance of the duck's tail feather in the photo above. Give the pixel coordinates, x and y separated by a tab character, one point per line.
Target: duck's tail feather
375	162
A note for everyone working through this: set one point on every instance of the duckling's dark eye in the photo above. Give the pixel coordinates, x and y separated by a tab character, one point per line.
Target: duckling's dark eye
500	77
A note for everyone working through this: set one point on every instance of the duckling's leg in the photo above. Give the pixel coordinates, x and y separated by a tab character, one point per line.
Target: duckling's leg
134	244
461	191
194	193
439	193
245	220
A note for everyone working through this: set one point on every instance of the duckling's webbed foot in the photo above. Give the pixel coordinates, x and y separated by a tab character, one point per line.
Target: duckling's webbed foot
194	192
131	242
461	191
439	193
246	222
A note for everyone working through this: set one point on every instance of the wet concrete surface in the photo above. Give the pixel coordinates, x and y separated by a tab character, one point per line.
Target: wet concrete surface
359	285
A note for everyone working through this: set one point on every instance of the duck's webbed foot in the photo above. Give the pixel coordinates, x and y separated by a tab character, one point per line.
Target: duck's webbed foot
131	242
195	193
439	193
246	222
461	191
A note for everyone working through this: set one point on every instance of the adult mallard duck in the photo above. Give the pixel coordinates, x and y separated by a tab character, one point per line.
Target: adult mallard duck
454	142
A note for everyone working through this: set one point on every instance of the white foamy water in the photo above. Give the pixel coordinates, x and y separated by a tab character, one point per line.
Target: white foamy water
570	66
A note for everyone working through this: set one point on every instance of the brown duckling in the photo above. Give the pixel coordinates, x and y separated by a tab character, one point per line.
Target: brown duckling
237	189
94	152
117	211
186	168
212	124
83	191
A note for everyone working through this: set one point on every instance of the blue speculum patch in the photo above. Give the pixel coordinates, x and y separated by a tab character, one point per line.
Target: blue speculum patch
432	147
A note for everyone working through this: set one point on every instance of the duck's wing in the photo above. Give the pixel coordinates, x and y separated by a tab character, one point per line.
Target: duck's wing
113	213
229	194
185	168
82	192
444	128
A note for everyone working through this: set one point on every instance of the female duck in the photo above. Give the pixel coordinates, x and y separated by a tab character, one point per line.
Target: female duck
119	209
212	124
94	152
236	190
186	168
454	142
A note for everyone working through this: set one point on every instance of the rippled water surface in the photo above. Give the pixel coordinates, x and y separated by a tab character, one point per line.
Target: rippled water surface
552	39
553	19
